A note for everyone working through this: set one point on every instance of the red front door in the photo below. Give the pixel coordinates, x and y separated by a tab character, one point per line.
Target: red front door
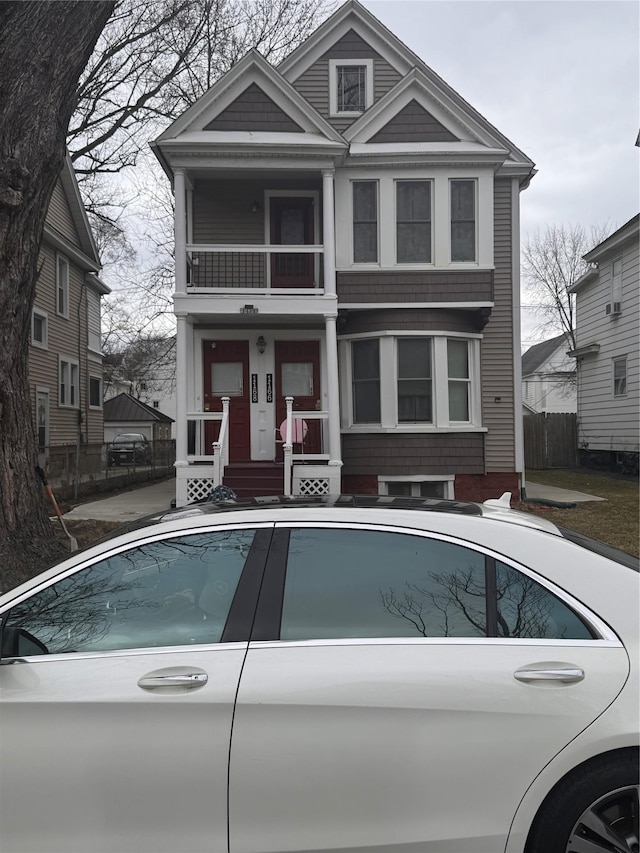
291	224
226	374
298	376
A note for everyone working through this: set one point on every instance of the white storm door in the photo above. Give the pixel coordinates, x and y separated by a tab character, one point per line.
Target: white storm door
419	738
118	738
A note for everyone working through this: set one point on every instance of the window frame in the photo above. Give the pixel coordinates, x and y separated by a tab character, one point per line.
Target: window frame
619	394
62	285
44	393
429	380
416	480
616	284
334	65
44	318
429	222
371	380
474	183
98	379
67	363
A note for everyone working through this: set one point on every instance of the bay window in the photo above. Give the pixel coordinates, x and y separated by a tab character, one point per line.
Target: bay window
414	380
365	222
458	379
365	364
413	222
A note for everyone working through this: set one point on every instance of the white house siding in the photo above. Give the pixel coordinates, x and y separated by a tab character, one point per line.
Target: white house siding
497	344
606	422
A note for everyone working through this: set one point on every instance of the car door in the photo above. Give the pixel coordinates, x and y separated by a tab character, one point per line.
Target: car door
118	683
383	717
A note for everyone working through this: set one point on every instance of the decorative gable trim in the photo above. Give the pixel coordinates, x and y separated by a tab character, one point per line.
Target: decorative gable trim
254	110
414	123
252	69
71	191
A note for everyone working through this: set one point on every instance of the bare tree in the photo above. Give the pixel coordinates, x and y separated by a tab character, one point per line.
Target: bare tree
44	48
551	264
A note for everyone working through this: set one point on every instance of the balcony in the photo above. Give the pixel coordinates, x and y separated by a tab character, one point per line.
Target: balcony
256	268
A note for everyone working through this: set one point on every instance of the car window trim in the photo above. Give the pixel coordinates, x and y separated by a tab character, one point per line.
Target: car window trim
269	610
599	628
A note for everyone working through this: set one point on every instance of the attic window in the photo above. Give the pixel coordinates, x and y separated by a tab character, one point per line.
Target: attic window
351	86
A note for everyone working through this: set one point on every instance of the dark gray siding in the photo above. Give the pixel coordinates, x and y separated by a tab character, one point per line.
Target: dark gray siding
415	286
419	319
414	124
497	345
254	110
314	83
420	453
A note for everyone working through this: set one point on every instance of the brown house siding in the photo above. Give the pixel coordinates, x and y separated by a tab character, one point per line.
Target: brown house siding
414	124
497	345
418	319
314	83
59	215
376	454
254	110
400	287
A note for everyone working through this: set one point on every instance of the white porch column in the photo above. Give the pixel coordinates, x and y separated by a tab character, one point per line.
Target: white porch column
335	450
181	393
180	231
329	232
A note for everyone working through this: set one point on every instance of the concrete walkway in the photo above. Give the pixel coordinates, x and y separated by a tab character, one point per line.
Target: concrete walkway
128	506
536	491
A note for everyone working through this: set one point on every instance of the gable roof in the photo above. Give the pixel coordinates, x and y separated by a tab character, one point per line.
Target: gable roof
127	409
538	354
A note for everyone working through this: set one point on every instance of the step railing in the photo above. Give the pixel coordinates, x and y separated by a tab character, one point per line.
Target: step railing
296	427
197	426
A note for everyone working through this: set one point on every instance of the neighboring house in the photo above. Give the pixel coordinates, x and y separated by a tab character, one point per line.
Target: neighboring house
65	357
347	235
607	352
147	371
125	413
549	376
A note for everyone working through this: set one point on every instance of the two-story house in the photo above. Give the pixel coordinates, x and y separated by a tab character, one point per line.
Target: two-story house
549	376
608	352
65	357
347	277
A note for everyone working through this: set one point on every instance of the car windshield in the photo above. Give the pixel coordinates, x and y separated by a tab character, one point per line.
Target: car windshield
131	437
601	548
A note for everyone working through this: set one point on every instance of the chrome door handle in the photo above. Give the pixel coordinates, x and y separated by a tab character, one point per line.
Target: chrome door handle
567	675
177	679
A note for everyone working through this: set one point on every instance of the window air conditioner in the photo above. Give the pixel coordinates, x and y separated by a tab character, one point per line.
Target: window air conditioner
613	308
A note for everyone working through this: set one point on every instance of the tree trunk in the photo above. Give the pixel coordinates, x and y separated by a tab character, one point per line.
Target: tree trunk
44	47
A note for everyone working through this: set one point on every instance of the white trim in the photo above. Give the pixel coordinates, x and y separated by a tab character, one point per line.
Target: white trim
517	332
44	317
474	182
412	265
397	305
93	407
334	64
447	480
70	363
63	286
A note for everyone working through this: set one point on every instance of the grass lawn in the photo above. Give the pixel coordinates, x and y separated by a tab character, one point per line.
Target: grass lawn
614	521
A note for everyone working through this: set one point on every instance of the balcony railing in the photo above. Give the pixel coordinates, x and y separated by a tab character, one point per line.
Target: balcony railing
254	267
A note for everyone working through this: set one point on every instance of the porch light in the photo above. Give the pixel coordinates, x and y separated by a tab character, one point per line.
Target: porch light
261	344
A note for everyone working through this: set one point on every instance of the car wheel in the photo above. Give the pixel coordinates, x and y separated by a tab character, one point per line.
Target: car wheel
595	810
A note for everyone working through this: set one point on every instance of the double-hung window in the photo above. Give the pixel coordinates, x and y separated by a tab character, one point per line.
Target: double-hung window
459	379
95	392
463	221
351	86
68	383
414	380
413	222
365	368
62	286
39	330
365	222
620	376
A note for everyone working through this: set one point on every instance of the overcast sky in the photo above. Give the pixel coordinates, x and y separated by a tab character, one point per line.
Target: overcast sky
559	78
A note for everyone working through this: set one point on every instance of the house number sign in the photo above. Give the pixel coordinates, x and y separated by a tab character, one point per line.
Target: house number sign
269	387
254	387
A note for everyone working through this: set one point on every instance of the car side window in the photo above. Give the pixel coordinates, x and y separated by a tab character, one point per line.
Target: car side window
170	592
364	583
343	583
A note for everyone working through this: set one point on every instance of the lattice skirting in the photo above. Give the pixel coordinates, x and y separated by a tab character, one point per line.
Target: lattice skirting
313	487
198	489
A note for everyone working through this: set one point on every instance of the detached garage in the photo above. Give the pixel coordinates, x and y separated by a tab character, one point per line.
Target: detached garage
125	413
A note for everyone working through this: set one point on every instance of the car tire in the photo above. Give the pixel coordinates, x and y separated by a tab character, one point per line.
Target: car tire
596	803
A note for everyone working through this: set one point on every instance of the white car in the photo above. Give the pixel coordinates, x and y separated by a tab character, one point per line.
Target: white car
380	675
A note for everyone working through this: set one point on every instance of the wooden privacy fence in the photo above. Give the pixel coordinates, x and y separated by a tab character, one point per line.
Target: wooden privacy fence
550	440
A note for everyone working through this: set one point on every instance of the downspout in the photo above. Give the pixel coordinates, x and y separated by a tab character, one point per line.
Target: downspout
80	415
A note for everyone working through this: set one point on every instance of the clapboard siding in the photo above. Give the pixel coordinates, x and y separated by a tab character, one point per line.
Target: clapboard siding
414	124
420	319
314	83
606	422
442	286
395	455
497	346
254	110
59	215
